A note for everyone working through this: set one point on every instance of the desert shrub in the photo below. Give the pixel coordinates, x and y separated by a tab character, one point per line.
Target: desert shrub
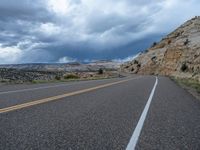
100	71
184	67
178	34
126	67
139	65
71	76
186	42
135	62
153	58
189	82
57	77
154	44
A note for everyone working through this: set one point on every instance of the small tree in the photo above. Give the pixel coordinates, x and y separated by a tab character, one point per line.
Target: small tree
186	42
135	62
57	77
139	65
184	67
71	76
100	71
154	44
153	58
145	51
169	41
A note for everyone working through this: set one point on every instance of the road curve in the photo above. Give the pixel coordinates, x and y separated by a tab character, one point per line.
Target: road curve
100	115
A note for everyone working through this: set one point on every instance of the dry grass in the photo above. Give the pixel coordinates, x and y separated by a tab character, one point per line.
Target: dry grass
195	84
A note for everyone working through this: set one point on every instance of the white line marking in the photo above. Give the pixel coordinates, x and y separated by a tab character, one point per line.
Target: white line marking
133	141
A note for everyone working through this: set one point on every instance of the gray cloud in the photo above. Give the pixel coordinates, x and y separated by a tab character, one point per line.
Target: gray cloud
53	30
24	10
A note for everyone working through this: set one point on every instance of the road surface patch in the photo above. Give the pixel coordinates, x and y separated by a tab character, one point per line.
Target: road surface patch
45	100
133	141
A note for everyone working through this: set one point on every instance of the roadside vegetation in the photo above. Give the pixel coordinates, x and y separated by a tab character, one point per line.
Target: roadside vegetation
100	71
190	83
71	76
54	77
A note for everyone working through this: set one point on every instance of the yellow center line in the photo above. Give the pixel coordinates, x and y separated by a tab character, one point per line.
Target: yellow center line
45	100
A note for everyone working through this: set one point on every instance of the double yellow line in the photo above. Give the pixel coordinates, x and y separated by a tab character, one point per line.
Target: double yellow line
45	100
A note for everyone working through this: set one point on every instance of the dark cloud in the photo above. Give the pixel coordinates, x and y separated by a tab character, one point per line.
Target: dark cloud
24	10
49	30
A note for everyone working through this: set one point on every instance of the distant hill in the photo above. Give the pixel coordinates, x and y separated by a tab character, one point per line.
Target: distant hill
45	72
67	67
178	54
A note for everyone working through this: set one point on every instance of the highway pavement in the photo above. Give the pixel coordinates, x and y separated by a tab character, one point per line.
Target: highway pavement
135	112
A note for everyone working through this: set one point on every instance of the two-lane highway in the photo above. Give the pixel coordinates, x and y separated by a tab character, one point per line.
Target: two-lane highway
138	112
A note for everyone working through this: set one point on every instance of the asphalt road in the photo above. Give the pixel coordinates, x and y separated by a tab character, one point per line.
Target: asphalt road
138	112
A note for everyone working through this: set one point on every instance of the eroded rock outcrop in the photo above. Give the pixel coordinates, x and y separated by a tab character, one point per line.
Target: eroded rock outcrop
178	54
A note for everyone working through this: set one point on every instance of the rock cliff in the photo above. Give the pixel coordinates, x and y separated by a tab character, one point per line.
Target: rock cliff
178	54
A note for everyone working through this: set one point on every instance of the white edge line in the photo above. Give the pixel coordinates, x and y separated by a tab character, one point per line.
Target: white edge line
133	141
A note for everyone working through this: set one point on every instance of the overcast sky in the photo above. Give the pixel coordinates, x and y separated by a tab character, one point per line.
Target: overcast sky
85	30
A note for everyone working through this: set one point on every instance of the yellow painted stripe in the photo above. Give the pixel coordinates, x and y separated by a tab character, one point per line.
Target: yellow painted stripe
45	100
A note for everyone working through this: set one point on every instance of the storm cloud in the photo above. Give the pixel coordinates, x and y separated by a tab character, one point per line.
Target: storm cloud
84	30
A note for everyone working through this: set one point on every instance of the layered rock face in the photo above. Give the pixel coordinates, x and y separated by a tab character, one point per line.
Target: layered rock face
178	54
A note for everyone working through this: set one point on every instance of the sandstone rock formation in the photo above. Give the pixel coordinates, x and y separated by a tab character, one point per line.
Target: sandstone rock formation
178	54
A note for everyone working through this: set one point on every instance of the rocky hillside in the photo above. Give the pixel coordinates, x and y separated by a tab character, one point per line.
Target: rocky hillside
20	76
178	54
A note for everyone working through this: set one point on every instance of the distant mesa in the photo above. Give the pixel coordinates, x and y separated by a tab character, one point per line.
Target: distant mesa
67	67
